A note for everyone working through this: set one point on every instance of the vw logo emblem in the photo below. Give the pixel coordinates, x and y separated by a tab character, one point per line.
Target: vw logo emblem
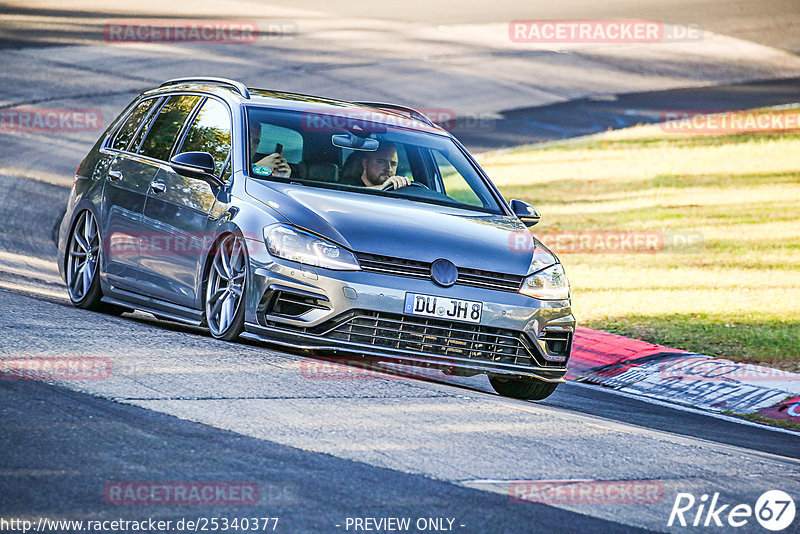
444	272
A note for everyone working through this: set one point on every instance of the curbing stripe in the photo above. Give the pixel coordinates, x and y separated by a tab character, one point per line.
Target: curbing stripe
788	410
690	379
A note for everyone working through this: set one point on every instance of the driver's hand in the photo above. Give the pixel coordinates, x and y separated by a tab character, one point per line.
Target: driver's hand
277	164
397	182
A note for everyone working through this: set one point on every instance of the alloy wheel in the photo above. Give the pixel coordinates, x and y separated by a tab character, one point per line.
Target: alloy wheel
226	282
83	256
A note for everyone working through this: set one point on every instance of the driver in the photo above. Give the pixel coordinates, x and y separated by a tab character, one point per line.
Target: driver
378	170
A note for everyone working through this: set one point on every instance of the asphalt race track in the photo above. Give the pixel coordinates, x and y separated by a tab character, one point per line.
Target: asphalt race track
324	443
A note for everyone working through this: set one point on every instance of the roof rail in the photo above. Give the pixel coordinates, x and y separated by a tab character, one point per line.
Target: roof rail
239	87
418	115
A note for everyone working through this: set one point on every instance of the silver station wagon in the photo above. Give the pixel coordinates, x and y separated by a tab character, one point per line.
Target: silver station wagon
346	228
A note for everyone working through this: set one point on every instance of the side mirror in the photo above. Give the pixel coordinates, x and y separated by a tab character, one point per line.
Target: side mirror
525	212
195	165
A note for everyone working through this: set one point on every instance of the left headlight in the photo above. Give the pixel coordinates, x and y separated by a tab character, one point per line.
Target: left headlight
547	284
289	243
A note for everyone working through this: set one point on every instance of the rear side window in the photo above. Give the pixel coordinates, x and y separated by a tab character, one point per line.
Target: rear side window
145	127
131	125
166	126
210	132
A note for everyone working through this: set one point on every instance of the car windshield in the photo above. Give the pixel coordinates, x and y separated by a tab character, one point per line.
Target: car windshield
348	153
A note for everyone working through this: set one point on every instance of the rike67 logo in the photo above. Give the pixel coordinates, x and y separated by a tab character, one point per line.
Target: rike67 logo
774	510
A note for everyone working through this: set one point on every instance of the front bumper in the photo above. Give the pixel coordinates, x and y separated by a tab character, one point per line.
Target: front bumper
361	313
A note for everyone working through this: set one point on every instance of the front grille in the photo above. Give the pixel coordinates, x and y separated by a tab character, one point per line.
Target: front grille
397	266
489	280
422	270
435	337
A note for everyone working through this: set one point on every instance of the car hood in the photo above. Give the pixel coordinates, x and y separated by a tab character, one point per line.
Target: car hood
403	228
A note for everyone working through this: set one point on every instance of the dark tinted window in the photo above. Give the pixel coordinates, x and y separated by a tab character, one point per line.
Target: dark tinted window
210	132
131	125
159	141
145	127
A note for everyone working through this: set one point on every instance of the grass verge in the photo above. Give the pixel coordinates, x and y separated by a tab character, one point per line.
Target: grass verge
719	216
756	418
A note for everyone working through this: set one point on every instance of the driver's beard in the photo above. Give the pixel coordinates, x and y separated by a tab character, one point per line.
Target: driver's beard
379	180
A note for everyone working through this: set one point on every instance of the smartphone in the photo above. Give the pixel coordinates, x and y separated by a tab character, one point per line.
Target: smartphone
279	148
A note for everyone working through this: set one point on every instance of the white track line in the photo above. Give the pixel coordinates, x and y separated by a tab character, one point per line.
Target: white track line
682	408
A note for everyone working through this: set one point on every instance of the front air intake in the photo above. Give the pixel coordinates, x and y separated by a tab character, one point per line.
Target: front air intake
557	344
289	302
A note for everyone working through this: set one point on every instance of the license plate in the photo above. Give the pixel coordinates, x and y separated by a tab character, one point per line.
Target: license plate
443	307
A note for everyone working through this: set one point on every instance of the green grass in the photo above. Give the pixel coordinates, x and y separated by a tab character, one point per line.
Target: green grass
757	418
734	294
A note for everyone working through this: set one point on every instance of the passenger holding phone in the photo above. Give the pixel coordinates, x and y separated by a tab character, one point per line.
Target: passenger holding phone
276	163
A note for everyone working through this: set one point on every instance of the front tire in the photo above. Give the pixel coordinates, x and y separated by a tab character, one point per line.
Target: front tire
225	287
522	388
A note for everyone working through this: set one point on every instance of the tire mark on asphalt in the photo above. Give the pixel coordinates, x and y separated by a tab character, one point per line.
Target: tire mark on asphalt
80	96
283	397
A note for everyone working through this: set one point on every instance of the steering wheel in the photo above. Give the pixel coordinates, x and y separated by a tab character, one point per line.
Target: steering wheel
390	187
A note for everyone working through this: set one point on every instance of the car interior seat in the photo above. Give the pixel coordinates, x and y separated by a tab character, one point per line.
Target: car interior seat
317	170
351	169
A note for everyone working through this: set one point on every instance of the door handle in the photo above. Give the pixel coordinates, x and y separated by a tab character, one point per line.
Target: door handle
114	176
158	187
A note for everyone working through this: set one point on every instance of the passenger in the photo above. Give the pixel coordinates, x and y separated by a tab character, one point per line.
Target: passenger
276	163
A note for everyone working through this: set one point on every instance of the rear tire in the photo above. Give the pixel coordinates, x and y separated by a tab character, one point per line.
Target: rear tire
82	263
522	388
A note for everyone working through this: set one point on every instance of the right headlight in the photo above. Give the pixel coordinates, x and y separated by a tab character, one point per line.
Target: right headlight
548	284
287	242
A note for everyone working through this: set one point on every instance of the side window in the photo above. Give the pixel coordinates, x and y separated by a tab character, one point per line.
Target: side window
403	167
145	127
291	140
210	132
131	126
165	128
455	186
